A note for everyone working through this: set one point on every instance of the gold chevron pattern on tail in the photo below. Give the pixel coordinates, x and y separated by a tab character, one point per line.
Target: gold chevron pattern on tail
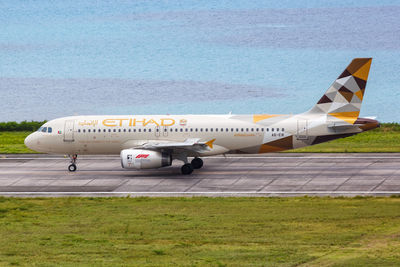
343	99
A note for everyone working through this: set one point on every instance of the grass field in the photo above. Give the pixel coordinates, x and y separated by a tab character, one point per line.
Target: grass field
200	231
13	142
384	139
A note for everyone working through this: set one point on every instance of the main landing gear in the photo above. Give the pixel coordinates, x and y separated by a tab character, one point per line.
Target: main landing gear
72	167
188	168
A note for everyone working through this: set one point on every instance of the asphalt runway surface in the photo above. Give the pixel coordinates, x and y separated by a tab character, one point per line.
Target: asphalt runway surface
279	174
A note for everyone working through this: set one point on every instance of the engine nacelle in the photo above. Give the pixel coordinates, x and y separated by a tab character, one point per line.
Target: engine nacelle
144	159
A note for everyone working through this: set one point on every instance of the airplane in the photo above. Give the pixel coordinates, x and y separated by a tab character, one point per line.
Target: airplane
154	141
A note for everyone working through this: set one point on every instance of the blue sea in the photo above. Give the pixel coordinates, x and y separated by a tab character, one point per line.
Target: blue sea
61	58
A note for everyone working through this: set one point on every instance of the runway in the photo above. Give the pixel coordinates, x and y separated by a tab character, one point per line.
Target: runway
280	174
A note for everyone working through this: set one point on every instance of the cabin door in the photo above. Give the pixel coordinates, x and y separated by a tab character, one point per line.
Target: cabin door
69	131
302	129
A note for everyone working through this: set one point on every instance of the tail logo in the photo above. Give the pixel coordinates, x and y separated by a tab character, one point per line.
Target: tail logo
343	99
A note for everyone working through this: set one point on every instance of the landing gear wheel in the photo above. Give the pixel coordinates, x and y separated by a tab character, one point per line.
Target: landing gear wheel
197	163
72	167
187	168
73	158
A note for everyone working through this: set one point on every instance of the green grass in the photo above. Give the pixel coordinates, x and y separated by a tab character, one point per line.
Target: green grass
384	139
13	143
200	231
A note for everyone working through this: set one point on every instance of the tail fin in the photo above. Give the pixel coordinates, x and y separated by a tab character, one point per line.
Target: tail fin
343	99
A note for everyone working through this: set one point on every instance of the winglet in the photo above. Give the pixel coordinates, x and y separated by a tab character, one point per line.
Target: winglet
210	143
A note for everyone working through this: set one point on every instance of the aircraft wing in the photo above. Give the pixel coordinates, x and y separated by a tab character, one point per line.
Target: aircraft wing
191	144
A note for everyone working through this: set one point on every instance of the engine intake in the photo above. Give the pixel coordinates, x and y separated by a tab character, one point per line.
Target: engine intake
144	159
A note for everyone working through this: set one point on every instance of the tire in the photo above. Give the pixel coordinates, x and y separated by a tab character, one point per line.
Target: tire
187	169
197	163
72	167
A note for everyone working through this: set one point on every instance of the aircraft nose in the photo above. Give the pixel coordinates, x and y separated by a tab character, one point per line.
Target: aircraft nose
30	141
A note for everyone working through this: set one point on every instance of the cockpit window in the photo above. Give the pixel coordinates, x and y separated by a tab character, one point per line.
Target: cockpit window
45	129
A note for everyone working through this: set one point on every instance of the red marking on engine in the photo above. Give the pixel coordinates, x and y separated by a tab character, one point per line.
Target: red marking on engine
142	156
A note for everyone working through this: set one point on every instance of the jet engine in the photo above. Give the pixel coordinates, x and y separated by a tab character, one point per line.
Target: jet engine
144	159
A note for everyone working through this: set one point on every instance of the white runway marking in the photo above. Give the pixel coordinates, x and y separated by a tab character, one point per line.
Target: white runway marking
208	193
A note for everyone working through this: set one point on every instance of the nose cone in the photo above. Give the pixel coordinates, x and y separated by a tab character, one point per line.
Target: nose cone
31	141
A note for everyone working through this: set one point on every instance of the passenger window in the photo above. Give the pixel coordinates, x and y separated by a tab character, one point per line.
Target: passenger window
242	129
49	130
283	129
267	129
196	129
109	130
149	130
252	129
181	130
114	130
104	130
44	130
191	129
186	129
247	129
256	129
124	130
84	130
201	129
129	130
134	130
176	129
139	130
79	130
206	129
272	129
88	130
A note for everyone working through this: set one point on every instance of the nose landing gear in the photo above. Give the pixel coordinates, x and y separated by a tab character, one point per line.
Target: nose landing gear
72	167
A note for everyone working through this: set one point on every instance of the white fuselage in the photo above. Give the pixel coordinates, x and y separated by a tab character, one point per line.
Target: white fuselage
111	134
228	133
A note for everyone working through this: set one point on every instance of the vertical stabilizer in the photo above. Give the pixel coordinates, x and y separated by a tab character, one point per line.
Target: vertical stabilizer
343	99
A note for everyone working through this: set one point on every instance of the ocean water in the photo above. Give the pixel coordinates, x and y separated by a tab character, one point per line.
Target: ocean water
62	58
